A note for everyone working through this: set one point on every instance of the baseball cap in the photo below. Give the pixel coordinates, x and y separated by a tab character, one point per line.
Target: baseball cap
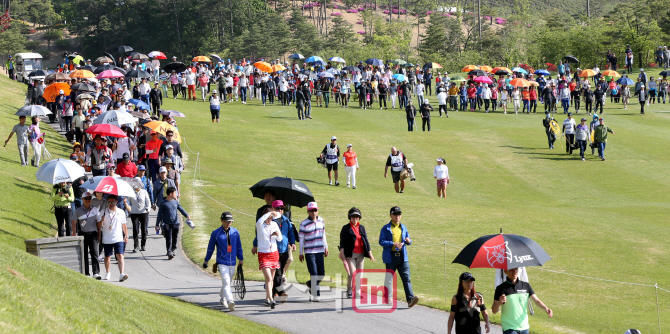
87	194
126	157
642	70
110	166
73	156
425	101
214	91
333	138
354	212
569	114
141	167
227	216
278	204
466	277
312	206
349	145
583	119
168	147
396	210
162	170
61	92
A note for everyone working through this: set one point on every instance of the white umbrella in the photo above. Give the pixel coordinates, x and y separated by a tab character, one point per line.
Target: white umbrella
109	185
33	110
59	170
115	117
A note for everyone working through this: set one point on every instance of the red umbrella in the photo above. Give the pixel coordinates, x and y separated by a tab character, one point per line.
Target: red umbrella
109	74
157	55
110	185
108	130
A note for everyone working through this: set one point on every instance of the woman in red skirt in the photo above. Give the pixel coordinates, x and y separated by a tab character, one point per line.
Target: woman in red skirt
268	233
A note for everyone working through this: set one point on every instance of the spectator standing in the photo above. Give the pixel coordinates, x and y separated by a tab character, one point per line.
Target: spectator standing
569	126
583	133
139	216
466	305
85	217
267	236
411	115
156	98
22	131
62	195
600	136
425	110
161	185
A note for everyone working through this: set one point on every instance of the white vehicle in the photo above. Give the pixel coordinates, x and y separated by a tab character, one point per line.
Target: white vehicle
26	63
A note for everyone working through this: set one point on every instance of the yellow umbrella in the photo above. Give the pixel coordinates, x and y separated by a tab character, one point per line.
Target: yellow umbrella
82	74
163	127
470	68
263	66
486	68
610	73
201	59
587	73
278	67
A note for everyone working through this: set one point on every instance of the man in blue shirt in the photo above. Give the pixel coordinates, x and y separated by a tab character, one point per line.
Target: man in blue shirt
146	182
226	240
168	219
393	237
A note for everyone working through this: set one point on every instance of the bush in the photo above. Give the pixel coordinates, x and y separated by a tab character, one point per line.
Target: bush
53	34
63	43
32	45
45	53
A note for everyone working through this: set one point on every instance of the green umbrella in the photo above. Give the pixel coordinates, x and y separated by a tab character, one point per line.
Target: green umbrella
398	62
457	79
78	59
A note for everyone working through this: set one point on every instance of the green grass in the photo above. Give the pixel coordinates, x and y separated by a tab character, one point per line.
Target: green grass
598	219
38	296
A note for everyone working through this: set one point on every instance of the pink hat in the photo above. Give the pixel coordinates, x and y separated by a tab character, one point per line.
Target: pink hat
311	206
278	204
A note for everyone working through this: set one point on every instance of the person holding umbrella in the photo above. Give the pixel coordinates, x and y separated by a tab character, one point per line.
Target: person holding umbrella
112	220
511	299
354	248
98	156
466	305
393	237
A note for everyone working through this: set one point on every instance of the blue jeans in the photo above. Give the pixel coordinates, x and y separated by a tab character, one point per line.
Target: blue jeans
566	105
145	98
397	264
516	331
464	103
316	271
601	149
526	106
410	124
552	138
243	94
308	107
420	98
582	147
264	97
153	169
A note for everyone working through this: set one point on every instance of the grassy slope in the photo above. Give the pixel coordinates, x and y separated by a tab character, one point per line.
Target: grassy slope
601	219
38	296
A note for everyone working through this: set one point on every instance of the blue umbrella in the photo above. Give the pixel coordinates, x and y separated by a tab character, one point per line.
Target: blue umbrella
333	70
140	104
314	59
625	81
325	75
319	62
543	72
337	59
296	56
399	77
519	70
374	62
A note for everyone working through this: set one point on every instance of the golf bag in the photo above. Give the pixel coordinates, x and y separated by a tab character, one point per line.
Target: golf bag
408	172
321	161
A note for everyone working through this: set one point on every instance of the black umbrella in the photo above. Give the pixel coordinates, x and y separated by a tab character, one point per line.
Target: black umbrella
477	73
138	74
37	73
123	48
501	72
571	59
111	57
88	68
178	67
663	73
83	87
132	54
351	69
290	191
502	251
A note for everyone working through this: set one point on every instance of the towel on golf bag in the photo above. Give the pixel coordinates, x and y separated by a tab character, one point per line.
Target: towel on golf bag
408	172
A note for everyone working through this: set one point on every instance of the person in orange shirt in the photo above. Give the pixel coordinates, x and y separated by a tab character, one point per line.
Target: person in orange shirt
350	165
525	96
152	149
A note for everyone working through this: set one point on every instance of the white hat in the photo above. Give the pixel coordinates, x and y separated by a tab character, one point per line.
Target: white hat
87	194
333	138
349	145
425	101
162	169
61	92
214	91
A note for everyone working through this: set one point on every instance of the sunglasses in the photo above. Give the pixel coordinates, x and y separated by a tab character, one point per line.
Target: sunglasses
313	210
87	198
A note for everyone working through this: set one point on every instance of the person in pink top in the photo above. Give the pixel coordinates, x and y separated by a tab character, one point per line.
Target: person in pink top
203	79
236	81
174	82
250	92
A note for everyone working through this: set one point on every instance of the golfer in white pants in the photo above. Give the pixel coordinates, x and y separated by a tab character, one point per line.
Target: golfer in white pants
350	165
226	240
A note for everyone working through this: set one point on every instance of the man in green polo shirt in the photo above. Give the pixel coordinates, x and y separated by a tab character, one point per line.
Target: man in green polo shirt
512	298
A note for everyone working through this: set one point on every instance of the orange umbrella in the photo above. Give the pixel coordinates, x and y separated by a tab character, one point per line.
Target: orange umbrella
496	69
278	67
263	66
470	68
163	127
610	73
486	68
82	74
587	73
51	92
202	59
518	82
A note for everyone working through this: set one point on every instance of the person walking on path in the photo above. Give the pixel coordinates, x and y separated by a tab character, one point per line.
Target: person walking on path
228	244
425	110
160	187
35	136
168	219
156	99
441	173
62	195
22	131
642	98
267	235
397	161
600	136
511	299
350	165
354	248
466	305
569	126
313	248
215	106
582	135
411	115
139	216
331	152
112	221
153	147
86	218
394	237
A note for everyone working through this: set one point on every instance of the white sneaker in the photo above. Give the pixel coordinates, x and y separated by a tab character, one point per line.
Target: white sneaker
224	303
316	299
101	258
123	277
330	183
96	276
108	276
231	305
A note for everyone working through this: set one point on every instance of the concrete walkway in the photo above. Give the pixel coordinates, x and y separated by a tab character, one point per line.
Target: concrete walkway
152	271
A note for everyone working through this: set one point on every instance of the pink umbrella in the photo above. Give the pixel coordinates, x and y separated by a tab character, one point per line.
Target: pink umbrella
483	79
109	74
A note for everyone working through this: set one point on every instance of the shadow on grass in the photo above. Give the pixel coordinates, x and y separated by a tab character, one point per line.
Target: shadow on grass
550	156
30	187
286	117
523	148
310	181
47	224
11	234
20	222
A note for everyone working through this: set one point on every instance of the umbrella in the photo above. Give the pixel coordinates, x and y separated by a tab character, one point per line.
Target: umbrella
163	127
610	73
496	69
33	110
319	62
288	190
108	67
351	69
38	73
84	97
458	78
469	68
313	59
325	75
157	55
51	92
337	59
59	170
138	74
587	73
518	82
625	81
483	79
333	71
138	56
399	77
76	58
278	67
398	62
542	72
109	185
571	59
501	72
132	182
263	66
432	65
664	73
407	65
374	62
175	66
123	48
140	104
57	76
477	73
89	68
296	56
485	68
216	57
108	130
82	74
140	115
83	87
502	251
201	59
115	117
534	83
109	74
172	113
519	70
103	60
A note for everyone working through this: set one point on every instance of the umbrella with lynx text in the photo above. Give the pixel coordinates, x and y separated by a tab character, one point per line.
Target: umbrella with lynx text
502	251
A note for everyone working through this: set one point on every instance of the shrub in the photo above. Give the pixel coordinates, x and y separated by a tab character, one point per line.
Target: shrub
63	43
45	53
32	45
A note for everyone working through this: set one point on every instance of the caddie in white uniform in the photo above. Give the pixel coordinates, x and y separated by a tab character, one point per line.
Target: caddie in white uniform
331	152
397	161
